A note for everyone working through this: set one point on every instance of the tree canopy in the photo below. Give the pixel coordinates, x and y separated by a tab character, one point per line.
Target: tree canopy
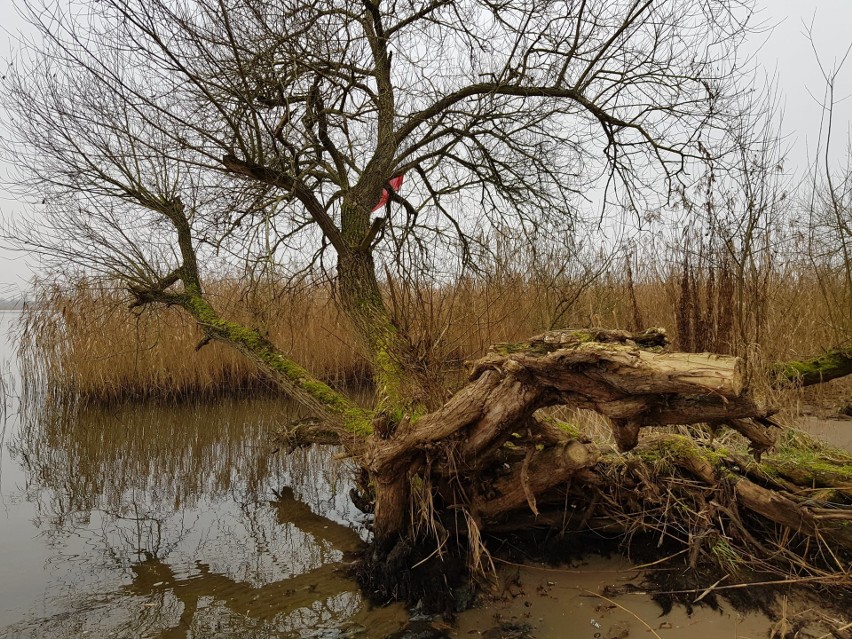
278	124
167	139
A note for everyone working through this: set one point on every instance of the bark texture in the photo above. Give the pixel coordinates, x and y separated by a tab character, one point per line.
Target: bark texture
625	377
816	370
490	461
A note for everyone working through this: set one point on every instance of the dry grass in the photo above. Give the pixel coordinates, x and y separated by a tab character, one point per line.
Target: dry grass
90	345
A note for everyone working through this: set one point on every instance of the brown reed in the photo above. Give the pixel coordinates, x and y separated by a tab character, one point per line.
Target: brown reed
87	342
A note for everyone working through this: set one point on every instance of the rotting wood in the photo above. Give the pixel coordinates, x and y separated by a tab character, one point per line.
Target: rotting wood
489	461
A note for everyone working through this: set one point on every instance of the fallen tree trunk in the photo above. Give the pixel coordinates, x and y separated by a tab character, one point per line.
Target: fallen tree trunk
491	461
603	371
487	461
816	370
490	458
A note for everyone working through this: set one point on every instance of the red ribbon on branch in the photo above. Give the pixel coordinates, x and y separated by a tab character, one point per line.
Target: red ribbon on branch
395	183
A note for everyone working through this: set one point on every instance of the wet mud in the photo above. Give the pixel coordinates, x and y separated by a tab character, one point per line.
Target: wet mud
585	588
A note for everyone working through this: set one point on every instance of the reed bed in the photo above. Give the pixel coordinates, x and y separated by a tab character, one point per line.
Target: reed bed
88	344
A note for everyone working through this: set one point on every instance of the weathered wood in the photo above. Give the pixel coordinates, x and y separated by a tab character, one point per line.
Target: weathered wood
552	467
831	523
606	372
488	461
635	387
756	431
569	338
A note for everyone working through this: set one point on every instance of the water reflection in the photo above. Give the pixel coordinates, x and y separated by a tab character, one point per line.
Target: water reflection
149	463
164	522
321	594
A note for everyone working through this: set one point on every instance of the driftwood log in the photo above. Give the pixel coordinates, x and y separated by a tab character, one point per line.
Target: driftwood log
492	460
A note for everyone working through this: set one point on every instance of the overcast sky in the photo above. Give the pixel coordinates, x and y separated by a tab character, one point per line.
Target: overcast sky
784	52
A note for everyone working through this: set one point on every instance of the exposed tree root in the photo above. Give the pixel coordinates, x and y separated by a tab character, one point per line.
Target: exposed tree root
491	461
727	512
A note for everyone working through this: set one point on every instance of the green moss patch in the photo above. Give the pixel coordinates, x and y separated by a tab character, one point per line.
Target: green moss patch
353	419
830	365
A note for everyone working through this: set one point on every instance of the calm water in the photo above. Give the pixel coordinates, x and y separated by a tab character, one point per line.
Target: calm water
168	522
161	522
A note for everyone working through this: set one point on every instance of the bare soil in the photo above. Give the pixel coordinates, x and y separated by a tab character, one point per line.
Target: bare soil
606	598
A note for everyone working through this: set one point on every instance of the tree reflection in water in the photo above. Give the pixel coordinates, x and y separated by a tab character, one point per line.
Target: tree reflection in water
177	522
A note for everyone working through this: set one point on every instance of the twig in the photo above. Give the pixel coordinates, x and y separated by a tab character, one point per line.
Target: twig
432	554
835	630
584	571
798	580
710	589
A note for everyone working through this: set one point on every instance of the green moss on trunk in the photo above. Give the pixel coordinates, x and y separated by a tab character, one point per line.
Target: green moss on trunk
830	365
806	467
293	378
395	372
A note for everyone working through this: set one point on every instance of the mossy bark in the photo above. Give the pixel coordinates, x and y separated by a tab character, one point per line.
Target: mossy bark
294	380
400	388
337	409
816	370
397	385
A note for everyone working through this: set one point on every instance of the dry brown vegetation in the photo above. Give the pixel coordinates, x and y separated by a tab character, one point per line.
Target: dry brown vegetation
95	348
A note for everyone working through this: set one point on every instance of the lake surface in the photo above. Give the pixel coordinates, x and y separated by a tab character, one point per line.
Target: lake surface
178	522
148	521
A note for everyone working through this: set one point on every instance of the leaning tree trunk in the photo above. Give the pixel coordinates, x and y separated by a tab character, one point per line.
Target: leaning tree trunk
398	386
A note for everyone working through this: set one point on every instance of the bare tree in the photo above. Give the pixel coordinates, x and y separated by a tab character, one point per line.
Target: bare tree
168	139
829	210
164	138
730	239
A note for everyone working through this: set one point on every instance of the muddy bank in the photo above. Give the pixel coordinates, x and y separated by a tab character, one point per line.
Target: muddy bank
591	599
550	602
